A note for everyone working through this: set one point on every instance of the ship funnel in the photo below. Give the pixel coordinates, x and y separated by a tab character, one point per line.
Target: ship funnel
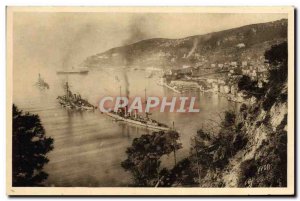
135	113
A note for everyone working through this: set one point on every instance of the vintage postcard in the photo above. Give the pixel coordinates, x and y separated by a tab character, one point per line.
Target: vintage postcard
150	101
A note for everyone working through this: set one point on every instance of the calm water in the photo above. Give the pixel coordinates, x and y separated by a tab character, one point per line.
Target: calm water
89	146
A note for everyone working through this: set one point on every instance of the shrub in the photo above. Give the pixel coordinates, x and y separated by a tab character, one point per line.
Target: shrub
143	157
30	146
283	97
243	107
269	101
248	172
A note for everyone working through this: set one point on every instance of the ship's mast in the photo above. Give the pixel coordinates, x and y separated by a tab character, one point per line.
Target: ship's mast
39	80
146	103
125	109
67	89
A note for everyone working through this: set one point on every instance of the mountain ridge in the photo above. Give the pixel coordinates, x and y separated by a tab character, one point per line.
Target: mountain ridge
220	46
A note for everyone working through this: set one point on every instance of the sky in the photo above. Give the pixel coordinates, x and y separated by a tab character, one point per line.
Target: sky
55	40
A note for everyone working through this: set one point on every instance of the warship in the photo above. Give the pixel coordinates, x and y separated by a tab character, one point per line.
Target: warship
133	117
73	70
41	83
74	101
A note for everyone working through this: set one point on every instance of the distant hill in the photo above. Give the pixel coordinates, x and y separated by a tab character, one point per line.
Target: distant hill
243	43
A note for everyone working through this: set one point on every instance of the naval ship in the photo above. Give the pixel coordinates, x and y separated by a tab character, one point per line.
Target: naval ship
122	114
73	101
41	83
81	70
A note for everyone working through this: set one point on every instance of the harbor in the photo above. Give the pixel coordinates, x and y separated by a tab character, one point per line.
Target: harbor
84	136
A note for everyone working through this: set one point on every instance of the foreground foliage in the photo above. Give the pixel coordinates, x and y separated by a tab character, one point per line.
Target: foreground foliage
143	157
30	146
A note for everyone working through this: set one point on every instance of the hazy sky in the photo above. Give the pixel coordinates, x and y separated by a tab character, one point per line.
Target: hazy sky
51	39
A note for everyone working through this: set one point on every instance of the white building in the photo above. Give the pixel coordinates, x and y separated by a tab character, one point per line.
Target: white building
220	65
211	80
227	89
244	63
233	89
233	63
221	81
241	45
222	89
215	87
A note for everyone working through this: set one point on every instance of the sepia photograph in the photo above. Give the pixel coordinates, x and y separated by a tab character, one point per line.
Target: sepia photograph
150	100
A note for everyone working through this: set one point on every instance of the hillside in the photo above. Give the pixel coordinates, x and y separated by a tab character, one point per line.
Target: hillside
247	148
243	43
252	143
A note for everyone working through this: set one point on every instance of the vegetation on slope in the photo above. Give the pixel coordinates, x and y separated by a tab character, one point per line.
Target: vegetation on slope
250	149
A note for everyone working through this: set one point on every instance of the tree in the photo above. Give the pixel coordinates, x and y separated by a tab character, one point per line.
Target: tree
182	174
229	119
250	87
143	157
245	83
277	57
30	146
277	54
199	152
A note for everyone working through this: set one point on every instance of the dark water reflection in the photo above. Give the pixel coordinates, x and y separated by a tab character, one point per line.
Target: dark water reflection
89	146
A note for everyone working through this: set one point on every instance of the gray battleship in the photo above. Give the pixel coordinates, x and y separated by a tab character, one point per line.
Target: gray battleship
74	101
122	114
41	83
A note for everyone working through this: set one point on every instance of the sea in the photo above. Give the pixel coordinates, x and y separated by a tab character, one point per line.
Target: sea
89	146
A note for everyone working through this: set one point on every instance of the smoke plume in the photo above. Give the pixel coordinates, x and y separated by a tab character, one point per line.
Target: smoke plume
75	45
136	33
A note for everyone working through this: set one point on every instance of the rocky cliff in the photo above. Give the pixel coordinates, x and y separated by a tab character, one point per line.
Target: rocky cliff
263	161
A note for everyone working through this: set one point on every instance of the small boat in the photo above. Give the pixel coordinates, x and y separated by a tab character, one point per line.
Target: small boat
81	70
